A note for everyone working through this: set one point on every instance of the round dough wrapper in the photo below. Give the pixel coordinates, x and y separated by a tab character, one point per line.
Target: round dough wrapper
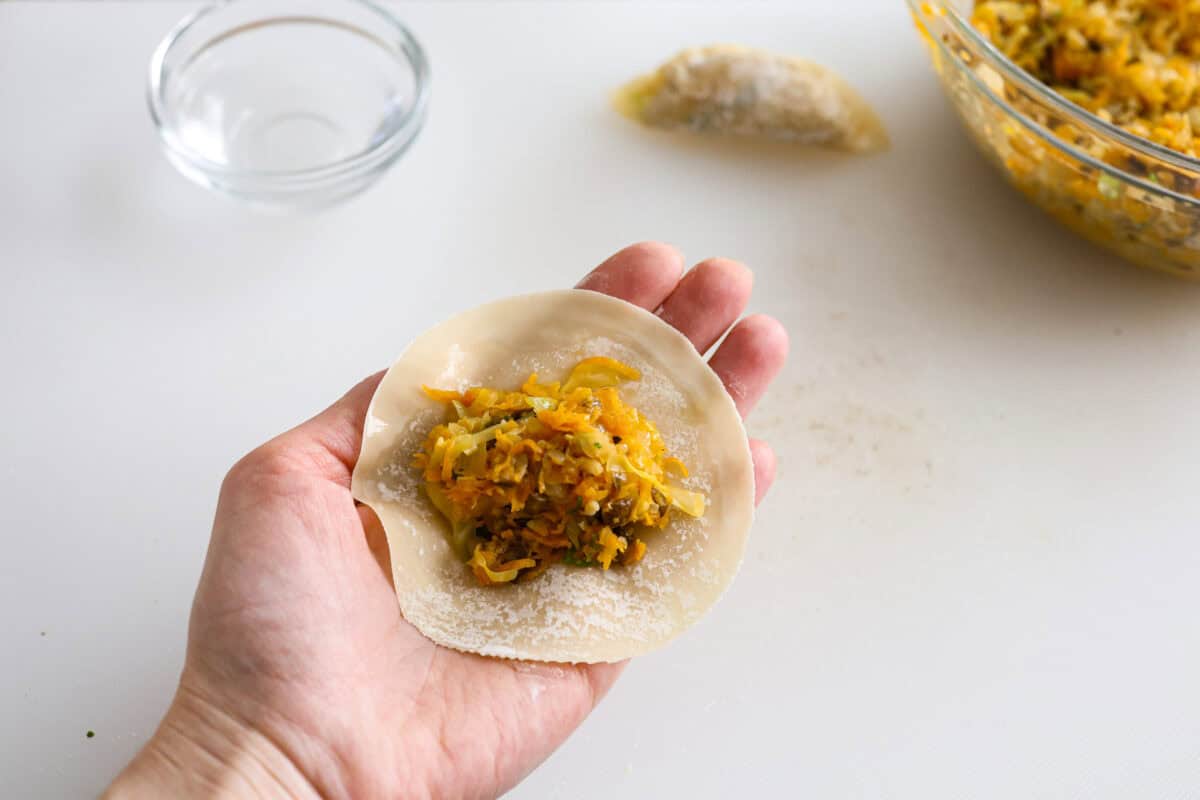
568	614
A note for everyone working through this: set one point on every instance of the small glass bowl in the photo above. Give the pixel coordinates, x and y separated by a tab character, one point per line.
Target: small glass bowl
1119	190
288	104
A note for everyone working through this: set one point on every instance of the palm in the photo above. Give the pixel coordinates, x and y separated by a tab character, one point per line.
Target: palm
308	624
296	626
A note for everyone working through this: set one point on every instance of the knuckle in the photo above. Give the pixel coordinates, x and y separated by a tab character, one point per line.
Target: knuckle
263	462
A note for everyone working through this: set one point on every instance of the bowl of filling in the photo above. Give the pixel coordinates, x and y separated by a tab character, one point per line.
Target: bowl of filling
1090	109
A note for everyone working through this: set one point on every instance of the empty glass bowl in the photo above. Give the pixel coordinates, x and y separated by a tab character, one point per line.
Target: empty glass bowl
1119	190
288	103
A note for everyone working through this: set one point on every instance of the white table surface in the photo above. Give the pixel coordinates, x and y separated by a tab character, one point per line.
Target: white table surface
978	575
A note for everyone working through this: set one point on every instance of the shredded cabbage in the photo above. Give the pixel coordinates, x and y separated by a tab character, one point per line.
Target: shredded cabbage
557	472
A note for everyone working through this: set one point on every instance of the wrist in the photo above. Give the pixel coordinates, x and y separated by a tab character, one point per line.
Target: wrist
200	750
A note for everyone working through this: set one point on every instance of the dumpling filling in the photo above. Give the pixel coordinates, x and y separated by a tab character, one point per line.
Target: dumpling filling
554	472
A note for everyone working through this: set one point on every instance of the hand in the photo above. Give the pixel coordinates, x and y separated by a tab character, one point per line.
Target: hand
301	676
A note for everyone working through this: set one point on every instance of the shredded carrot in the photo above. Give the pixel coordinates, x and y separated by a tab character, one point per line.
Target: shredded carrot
558	472
1135	63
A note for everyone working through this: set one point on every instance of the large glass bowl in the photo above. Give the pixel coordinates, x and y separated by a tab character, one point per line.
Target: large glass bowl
288	103
1121	191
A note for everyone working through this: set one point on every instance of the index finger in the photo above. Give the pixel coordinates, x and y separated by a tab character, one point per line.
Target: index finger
644	274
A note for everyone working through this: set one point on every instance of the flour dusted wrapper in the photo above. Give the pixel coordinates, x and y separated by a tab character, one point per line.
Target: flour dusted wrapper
740	91
570	614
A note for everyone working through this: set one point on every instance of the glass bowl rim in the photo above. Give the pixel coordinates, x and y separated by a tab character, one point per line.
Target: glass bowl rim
364	160
1010	71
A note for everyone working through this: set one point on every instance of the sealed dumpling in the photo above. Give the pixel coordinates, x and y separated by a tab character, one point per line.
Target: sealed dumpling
561	477
729	89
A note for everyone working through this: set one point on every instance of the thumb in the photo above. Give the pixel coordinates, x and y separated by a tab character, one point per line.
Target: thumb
327	445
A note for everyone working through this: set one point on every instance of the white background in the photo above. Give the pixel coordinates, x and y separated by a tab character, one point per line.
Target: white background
978	575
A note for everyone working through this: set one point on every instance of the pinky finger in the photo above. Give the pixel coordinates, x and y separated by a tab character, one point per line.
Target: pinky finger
764	468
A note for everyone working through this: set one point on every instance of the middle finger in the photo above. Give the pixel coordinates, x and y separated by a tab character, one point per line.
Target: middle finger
708	300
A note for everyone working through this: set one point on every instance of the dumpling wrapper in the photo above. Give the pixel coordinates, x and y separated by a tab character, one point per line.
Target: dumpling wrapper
568	614
741	91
